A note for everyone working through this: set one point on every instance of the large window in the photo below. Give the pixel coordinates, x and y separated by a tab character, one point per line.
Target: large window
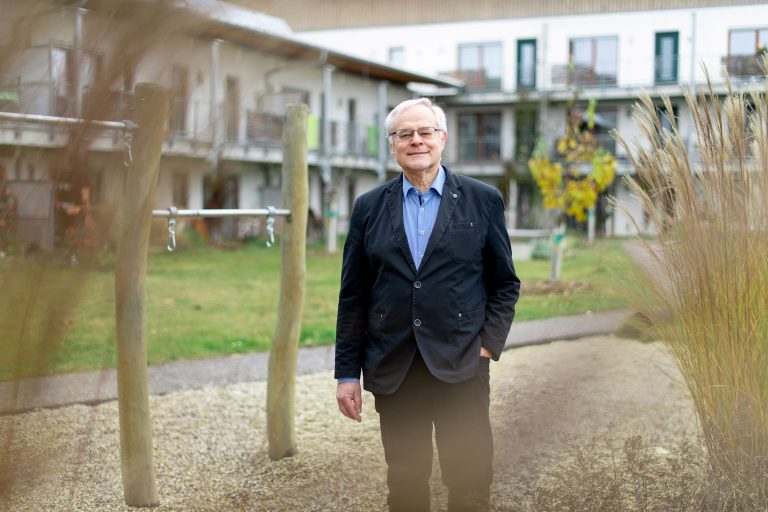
480	66
480	136
666	57
594	61
526	63
746	48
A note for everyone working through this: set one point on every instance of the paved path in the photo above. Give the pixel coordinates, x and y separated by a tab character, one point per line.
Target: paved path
100	386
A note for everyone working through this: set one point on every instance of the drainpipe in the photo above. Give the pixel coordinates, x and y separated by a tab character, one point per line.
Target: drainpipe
78	62
383	149
329	191
693	47
543	86
214	94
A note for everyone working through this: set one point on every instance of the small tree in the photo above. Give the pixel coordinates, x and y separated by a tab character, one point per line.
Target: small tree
572	186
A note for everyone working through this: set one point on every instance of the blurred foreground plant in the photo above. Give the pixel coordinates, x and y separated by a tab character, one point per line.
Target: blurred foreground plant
708	294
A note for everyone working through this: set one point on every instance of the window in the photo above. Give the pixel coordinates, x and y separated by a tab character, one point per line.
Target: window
179	96
666	57
748	42
666	118
526	64
396	56
594	61
480	66
746	48
180	185
63	73
480	136
525	134
232	108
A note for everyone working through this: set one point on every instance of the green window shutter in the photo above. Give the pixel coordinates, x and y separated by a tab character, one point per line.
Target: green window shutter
373	140
313	132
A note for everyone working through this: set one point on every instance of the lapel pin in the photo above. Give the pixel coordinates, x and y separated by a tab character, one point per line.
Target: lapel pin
455	195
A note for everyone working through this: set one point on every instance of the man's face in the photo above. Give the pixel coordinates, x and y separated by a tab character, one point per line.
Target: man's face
417	154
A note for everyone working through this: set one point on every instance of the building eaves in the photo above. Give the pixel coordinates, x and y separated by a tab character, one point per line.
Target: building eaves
219	20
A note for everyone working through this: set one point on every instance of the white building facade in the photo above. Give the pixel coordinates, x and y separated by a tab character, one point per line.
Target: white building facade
520	74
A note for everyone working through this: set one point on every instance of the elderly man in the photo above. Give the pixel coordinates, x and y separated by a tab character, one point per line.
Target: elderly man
428	293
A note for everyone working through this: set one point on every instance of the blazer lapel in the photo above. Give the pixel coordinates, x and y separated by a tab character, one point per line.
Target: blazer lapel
395	204
449	200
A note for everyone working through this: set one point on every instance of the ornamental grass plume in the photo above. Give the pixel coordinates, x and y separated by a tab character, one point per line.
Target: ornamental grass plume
707	298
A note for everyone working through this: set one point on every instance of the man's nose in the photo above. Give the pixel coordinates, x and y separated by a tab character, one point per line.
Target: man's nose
416	138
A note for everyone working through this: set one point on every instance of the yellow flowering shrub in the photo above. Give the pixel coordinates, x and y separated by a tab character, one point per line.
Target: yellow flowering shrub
570	189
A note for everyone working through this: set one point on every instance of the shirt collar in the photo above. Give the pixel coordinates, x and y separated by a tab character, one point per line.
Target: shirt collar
437	184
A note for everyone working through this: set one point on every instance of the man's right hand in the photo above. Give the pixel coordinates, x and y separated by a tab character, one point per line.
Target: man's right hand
350	399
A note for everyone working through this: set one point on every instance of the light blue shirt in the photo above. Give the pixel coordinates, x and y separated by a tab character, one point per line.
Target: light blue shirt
419	215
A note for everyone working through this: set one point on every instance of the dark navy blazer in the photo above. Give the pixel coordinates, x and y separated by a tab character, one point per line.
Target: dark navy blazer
462	296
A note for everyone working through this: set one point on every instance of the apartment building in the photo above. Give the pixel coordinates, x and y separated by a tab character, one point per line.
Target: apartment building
523	62
230	72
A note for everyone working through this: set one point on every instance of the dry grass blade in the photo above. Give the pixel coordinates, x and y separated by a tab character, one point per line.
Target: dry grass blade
708	298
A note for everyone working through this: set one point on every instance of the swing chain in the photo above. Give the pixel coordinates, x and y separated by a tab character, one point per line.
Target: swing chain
172	228
127	142
271	226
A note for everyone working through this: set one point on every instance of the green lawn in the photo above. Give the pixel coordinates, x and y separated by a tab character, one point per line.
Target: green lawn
203	302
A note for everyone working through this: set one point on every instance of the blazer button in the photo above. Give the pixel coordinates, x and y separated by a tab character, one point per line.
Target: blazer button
417	284
417	322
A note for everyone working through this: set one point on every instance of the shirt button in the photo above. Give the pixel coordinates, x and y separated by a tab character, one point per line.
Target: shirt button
417	284
417	322
421	232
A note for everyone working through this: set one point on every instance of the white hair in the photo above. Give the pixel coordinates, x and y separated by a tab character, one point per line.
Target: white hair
405	105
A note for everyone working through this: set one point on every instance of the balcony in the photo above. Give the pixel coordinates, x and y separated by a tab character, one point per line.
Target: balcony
582	76
476	80
744	66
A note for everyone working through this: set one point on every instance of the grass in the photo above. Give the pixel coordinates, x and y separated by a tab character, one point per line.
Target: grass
203	302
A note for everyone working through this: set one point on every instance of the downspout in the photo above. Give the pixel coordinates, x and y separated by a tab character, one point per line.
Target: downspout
329	191
78	62
213	101
383	149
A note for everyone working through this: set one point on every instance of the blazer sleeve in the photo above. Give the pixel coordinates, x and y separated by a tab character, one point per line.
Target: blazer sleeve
501	282
354	297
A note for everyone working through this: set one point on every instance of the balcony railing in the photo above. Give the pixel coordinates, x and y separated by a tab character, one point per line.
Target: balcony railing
582	76
476	80
263	129
744	66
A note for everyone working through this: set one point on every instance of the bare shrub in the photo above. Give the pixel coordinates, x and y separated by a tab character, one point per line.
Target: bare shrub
629	476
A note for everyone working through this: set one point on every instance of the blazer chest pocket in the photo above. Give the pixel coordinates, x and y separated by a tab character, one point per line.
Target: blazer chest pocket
464	241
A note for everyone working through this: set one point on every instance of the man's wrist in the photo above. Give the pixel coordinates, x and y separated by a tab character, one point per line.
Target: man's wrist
347	379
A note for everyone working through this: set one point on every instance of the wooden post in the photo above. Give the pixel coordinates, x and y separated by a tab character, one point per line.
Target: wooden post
135	217
281	382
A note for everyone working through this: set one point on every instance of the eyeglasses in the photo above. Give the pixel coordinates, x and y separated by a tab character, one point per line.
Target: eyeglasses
406	134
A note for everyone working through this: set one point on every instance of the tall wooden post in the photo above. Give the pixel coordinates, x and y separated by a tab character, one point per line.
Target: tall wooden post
151	108
281	382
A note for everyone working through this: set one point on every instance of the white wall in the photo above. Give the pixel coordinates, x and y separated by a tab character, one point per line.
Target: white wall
433	48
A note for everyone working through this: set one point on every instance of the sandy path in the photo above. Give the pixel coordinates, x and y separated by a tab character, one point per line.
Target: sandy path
210	451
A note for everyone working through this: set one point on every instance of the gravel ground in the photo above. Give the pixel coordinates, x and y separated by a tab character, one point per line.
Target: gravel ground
211	453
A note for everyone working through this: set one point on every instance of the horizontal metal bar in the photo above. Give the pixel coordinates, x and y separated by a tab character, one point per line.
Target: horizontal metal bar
34	118
257	212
